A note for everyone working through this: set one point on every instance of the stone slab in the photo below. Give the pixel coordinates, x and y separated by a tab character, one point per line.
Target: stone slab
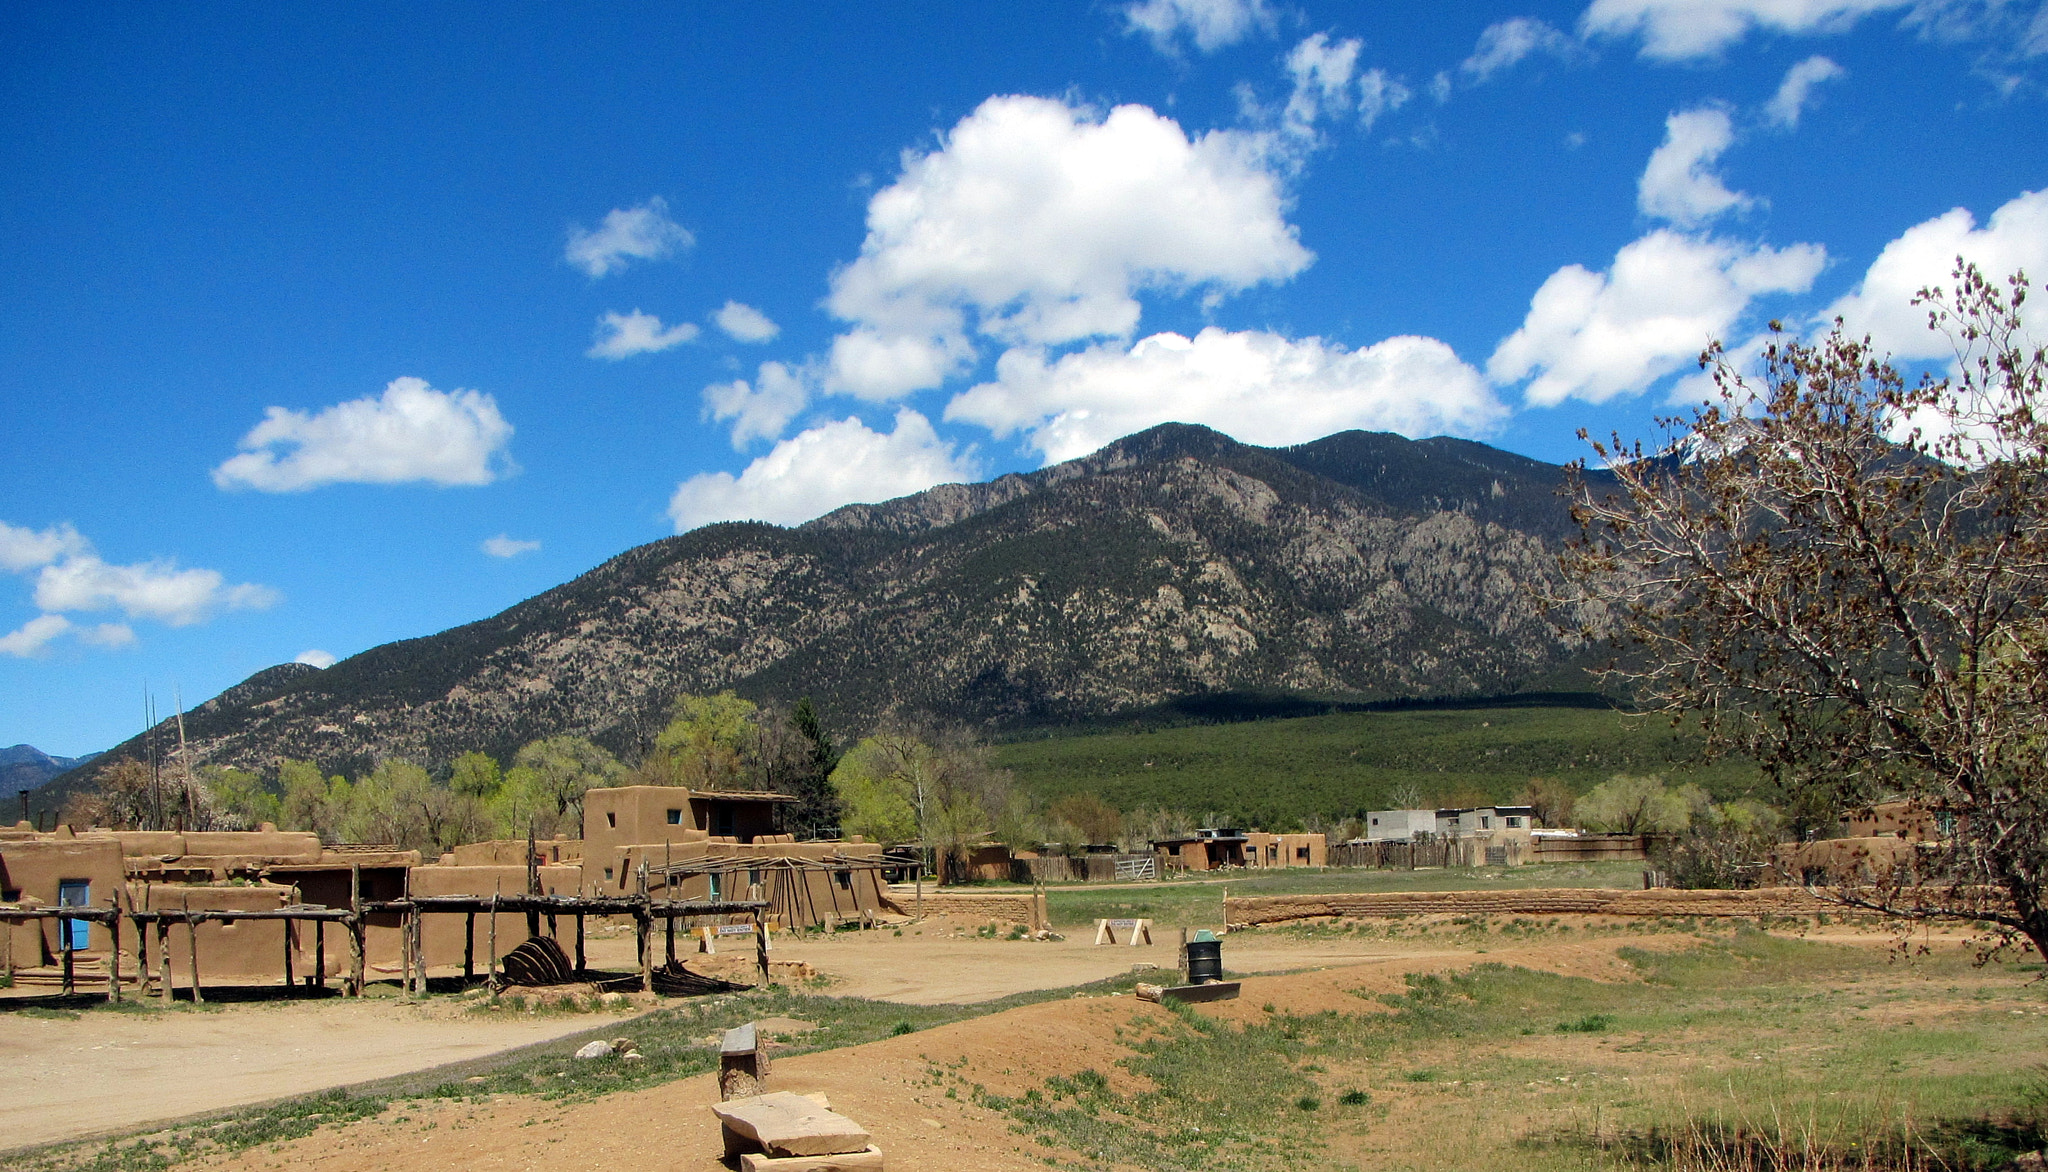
785	1124
868	1159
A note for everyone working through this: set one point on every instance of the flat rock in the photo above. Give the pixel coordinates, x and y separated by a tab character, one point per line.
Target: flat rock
786	1124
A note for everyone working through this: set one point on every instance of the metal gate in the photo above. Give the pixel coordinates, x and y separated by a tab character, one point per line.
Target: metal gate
1138	867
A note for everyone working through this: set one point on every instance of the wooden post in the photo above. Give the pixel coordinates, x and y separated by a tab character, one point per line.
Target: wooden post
289	978
671	922
192	930
419	950
163	956
64	938
114	956
356	944
761	942
468	947
532	886
579	943
644	920
320	953
494	930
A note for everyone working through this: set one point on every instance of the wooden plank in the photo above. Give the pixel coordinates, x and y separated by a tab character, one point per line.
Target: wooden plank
868	1159
784	1124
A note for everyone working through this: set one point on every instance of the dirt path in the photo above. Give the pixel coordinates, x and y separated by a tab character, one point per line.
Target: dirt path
114	1070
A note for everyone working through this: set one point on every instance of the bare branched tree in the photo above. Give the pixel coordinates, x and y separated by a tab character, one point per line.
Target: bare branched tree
1845	575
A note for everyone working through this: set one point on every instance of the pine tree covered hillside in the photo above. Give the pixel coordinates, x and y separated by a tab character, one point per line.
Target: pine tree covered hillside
1174	563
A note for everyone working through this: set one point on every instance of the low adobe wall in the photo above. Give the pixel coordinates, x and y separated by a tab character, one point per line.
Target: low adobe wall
236	951
1026	908
1251	911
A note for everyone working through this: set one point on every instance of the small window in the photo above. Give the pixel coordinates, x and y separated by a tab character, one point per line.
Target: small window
714	885
1514	822
607	874
611	820
754	877
1485	822
675	817
1301	852
845	879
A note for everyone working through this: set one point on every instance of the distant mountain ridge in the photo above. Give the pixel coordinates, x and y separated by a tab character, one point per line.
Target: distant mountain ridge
24	767
1175	562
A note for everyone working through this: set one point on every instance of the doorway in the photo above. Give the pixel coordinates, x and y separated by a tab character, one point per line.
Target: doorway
74	935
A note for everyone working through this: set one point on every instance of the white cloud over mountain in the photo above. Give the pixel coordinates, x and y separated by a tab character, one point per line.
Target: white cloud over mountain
503	546
625	236
1038	223
1593	336
1259	387
622	335
72	578
822	468
1881	304
762	408
410	433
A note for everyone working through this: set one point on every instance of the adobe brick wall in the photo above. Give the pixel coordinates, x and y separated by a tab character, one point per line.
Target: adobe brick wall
1251	911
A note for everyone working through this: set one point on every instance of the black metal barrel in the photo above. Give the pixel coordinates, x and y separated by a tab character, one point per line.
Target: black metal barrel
1205	961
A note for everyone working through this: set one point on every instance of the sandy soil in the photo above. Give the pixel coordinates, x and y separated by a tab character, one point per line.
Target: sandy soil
113	1071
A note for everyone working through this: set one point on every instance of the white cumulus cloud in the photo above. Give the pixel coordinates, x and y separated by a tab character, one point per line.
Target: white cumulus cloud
820	469
25	549
2014	238
1593	336
1258	387
1674	30
1506	43
109	635
762	408
1043	221
1327	83
1785	106
34	636
622	335
412	432
316	658
153	590
1210	24
1679	184
744	323
503	546
627	235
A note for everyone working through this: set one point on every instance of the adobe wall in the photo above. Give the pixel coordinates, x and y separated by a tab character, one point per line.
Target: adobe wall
1025	908
234	952
511	852
442	934
33	868
1251	911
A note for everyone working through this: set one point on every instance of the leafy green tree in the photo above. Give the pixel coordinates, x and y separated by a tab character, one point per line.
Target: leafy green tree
312	802
709	743
477	775
1726	845
543	792
239	799
1553	800
1086	818
1638	805
877	786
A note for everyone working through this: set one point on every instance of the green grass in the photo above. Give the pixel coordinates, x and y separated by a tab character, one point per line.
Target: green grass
1198	903
1731	1050
1274	773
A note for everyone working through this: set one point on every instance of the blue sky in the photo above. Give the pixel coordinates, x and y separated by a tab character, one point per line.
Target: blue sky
321	328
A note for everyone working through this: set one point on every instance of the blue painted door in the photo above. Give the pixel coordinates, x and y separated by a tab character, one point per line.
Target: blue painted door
75	893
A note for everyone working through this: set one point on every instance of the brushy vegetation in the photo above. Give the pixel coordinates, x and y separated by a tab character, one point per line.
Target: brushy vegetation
1775	1063
1280	774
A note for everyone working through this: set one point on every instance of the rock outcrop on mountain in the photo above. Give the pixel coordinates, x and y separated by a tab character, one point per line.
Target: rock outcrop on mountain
1173	563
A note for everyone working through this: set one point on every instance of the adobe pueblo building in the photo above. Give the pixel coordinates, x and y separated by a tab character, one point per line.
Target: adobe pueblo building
254	907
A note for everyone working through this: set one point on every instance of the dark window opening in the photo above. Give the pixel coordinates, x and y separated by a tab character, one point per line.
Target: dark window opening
845	879
611	820
724	821
675	817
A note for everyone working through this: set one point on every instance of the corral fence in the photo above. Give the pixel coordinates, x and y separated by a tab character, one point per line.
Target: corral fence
1090	868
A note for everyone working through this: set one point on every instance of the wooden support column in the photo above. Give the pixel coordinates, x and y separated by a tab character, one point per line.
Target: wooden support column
64	938
163	956
761	942
643	916
468	947
192	931
670	921
290	978
579	943
114	956
419	951
355	930
532	886
320	954
141	958
494	936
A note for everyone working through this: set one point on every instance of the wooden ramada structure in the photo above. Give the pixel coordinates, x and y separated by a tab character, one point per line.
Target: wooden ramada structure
239	908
